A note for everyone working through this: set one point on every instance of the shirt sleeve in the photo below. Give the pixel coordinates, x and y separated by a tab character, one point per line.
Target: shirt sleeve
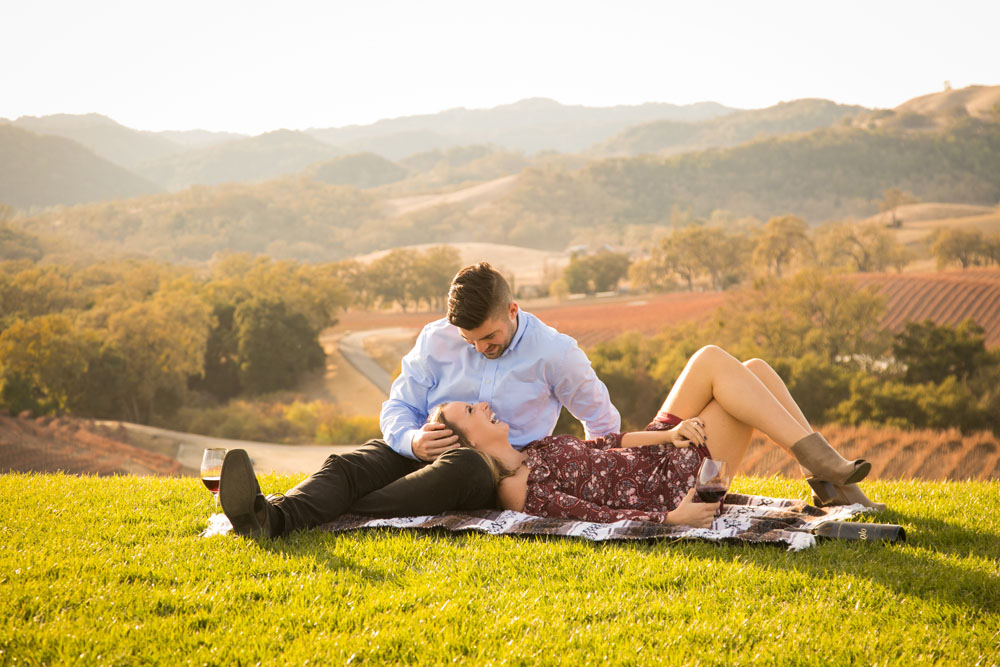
546	500
406	410
579	389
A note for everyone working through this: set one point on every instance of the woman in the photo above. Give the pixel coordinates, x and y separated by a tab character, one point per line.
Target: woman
649	475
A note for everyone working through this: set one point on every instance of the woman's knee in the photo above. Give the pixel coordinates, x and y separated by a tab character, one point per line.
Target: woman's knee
757	366
710	354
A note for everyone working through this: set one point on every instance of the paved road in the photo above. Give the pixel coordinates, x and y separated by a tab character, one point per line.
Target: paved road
353	348
187	448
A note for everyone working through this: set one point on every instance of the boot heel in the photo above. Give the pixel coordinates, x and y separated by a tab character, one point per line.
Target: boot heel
824	493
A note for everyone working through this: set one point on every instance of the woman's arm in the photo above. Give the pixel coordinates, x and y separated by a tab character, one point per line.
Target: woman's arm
563	505
688	432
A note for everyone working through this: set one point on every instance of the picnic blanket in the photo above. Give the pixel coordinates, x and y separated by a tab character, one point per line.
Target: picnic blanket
745	518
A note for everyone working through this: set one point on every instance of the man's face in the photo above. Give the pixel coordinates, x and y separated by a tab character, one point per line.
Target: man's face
494	335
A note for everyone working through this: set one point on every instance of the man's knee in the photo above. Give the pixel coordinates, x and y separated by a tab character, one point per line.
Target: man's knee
468	473
462	462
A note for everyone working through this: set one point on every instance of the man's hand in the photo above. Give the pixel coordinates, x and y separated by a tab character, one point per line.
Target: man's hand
432	441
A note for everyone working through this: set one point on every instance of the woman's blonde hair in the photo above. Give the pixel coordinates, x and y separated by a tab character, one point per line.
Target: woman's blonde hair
497	469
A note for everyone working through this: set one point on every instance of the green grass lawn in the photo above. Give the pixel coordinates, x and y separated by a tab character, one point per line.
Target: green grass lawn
112	571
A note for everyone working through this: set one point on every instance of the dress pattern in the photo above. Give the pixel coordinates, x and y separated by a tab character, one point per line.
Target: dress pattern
598	480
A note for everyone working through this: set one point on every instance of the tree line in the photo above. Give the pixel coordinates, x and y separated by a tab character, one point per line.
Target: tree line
822	336
721	253
137	340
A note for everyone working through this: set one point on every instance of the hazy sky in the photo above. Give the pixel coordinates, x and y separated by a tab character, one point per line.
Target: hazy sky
251	66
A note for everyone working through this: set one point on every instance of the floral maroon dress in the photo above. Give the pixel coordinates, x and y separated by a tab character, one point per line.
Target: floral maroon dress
597	480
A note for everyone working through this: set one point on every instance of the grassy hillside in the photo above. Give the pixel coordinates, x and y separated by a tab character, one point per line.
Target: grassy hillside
255	159
112	571
823	174
284	218
37	170
671	137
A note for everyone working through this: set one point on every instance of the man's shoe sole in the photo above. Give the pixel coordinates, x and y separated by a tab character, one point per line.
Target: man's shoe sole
238	491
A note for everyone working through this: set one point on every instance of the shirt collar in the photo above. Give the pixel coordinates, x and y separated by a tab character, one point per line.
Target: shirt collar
522	324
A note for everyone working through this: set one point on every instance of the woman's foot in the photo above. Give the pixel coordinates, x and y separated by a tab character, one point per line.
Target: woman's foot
816	454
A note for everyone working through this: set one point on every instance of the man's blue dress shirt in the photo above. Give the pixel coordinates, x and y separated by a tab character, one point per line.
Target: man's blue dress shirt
540	371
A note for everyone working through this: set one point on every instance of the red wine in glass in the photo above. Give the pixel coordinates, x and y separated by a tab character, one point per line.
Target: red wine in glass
211	483
711	493
211	470
712	481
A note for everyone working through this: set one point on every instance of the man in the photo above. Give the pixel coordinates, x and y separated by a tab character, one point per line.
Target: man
486	349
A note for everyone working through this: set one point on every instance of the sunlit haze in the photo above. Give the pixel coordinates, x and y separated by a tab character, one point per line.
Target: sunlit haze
253	66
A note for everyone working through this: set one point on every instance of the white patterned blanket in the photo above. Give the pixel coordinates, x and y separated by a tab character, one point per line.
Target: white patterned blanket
746	518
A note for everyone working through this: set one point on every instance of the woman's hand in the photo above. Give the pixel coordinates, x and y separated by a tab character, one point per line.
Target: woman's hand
688	432
690	513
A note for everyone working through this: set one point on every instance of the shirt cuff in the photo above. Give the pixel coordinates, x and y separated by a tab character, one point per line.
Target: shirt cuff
406	444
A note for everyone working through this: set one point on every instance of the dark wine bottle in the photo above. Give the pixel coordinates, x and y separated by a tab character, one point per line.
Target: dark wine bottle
871	532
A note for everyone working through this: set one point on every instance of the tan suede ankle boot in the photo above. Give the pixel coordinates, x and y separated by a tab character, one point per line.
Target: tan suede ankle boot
816	454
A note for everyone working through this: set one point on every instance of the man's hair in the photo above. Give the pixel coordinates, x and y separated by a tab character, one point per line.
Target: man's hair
478	293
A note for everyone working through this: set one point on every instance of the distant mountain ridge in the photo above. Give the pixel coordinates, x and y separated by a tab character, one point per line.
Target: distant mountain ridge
667	137
433	153
44	170
106	138
257	158
530	125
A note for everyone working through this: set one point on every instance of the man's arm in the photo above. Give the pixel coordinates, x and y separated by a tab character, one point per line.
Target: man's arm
579	389
406	410
403	417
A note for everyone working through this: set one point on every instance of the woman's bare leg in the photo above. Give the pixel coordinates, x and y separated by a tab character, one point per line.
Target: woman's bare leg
778	389
712	374
728	437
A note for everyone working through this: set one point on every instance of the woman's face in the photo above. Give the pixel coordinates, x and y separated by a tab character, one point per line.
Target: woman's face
477	421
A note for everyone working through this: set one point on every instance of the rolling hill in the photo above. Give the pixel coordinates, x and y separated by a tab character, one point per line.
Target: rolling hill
826	173
666	137
244	160
976	101
41	170
361	170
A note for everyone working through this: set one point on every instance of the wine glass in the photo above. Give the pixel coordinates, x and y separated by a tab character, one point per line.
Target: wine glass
211	469
712	481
